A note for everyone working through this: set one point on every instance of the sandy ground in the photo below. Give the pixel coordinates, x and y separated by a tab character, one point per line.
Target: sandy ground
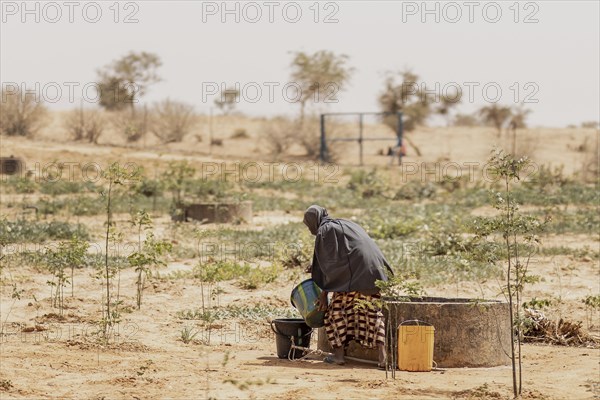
147	360
548	146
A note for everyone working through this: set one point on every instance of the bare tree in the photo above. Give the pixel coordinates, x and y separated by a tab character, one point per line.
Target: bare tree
496	116
21	114
85	124
171	120
465	120
278	135
446	103
519	116
132	126
309	136
517	121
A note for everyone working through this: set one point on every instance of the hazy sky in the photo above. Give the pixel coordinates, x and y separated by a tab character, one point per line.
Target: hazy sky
553	58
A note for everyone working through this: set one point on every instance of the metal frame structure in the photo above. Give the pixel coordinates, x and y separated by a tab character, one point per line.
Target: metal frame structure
324	153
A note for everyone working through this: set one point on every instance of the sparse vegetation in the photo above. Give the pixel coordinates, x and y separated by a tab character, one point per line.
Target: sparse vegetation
116	175
515	230
278	135
256	313
467	120
172	120
25	231
188	334
69	254
149	253
85	124
116	181
21	114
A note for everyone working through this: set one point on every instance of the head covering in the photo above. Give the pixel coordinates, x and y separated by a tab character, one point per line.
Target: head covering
314	216
345	259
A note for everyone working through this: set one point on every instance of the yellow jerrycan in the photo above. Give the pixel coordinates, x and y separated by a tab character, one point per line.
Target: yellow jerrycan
415	346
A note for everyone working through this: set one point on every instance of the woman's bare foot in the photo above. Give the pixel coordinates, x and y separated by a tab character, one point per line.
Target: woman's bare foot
337	357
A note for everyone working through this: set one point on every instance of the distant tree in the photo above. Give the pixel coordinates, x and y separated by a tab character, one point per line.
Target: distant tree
465	120
127	79
228	99
321	74
496	116
590	124
132	126
408	97
20	115
518	117
278	135
172	120
517	121
114	94
446	103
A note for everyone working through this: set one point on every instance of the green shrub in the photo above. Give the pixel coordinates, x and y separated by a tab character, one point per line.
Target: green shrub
259	276
537	304
208	189
258	312
380	228
20	185
248	276
65	187
367	183
416	190
592	302
149	187
581	220
38	232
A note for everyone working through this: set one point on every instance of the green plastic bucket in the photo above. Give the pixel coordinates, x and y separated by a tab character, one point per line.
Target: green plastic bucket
304	297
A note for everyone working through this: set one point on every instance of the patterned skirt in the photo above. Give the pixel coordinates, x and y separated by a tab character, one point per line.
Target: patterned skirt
350	317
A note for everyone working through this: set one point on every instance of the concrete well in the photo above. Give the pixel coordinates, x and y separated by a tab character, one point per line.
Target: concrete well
468	332
11	165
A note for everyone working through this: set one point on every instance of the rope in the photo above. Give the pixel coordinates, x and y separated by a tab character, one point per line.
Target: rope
304	350
318	352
